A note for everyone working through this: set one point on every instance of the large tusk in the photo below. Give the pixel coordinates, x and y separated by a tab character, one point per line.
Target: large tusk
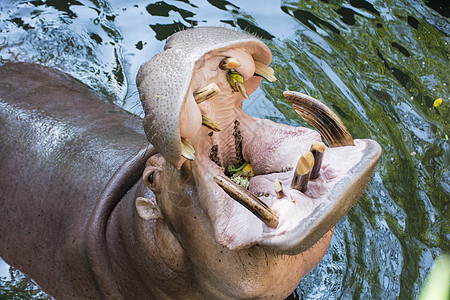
303	171
322	118
265	71
207	92
248	200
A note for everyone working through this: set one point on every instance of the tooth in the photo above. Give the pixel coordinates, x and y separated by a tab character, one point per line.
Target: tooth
205	93
236	81
265	71
241	88
229	63
187	150
322	118
303	171
248	200
278	188
211	124
317	149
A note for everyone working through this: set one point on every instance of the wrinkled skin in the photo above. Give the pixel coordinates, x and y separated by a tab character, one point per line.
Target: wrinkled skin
77	217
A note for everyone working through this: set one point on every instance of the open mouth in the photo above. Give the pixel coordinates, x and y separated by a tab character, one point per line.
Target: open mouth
262	182
278	173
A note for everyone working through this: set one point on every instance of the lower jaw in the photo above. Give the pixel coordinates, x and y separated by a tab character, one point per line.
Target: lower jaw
271	149
236	227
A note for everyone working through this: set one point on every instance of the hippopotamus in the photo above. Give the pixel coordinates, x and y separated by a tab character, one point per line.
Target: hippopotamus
197	200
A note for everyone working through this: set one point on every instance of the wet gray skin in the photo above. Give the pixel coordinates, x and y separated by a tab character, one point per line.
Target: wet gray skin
213	229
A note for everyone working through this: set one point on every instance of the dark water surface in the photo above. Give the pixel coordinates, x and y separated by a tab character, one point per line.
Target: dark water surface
380	65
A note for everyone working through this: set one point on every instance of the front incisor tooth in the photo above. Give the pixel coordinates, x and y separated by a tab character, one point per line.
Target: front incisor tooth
210	124
248	200
207	92
229	63
317	149
236	81
303	171
265	71
278	188
241	89
187	151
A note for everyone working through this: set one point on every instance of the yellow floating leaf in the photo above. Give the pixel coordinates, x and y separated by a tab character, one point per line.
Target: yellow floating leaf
437	102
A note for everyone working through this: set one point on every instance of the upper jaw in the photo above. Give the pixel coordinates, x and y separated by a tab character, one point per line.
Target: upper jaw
165	87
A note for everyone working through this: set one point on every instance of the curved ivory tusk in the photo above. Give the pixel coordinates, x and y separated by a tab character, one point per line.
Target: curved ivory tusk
248	200
322	118
303	172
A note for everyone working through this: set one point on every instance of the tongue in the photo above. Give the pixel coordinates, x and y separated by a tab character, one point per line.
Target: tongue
270	147
263	185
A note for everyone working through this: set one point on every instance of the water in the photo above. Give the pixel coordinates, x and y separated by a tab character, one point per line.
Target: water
379	64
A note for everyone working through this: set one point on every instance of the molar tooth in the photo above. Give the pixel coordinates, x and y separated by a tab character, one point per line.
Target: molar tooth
248	200
278	188
229	63
211	124
187	150
322	118
265	71
302	171
317	149
207	92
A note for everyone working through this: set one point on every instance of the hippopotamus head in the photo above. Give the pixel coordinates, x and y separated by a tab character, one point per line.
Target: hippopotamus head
227	182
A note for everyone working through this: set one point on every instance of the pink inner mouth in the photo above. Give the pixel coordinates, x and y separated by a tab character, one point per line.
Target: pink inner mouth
270	148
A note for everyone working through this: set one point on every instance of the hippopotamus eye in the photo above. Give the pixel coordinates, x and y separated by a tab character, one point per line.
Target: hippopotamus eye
150	178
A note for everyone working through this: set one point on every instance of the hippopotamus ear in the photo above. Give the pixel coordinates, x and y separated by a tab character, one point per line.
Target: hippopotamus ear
147	208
